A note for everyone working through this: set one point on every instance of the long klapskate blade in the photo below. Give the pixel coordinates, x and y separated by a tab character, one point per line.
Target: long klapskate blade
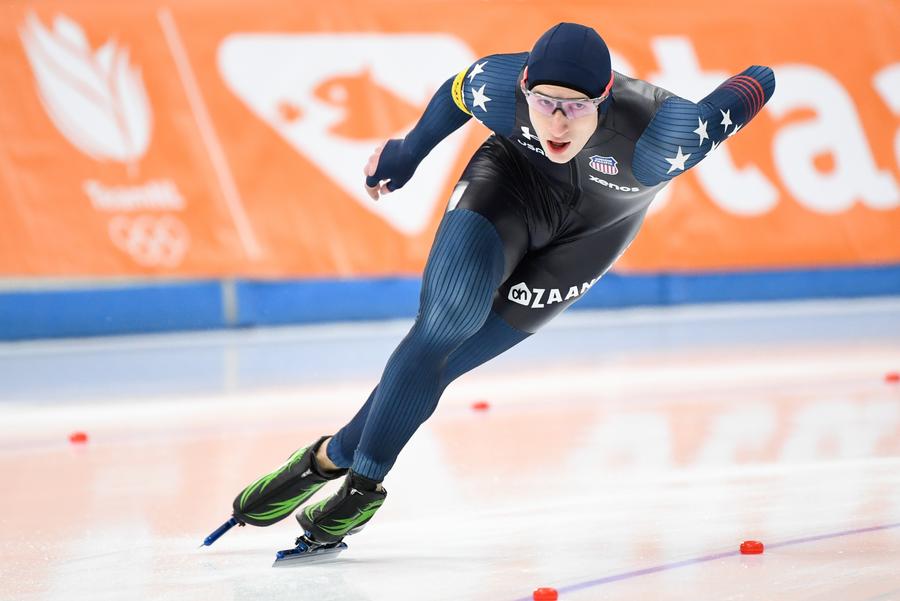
233	521
297	556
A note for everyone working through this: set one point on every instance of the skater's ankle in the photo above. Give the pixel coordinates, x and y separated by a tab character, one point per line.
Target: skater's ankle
325	464
363	483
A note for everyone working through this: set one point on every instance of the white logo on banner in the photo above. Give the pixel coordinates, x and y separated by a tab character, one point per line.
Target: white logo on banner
151	240
98	102
311	88
96	99
155	194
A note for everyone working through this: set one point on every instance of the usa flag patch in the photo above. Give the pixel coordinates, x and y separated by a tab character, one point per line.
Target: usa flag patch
607	165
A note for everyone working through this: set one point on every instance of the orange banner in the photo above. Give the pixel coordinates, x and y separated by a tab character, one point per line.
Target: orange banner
217	139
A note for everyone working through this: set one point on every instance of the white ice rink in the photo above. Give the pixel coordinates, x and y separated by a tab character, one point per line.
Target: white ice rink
625	456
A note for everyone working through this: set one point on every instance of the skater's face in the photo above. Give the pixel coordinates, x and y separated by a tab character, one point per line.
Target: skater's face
561	137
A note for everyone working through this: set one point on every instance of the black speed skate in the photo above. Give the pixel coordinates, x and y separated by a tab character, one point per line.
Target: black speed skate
275	495
325	524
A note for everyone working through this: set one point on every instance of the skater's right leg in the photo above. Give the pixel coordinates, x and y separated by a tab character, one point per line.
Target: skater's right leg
494	338
491	188
273	496
465	267
482	238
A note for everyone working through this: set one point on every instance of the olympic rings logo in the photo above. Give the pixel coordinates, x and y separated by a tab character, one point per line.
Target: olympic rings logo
150	240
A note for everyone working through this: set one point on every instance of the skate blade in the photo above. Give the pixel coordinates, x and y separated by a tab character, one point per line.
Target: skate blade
303	554
233	521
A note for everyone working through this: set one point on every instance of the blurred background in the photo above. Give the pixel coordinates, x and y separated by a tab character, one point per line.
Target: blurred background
199	165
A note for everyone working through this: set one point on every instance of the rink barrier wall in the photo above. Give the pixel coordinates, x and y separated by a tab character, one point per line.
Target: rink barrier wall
61	313
215	304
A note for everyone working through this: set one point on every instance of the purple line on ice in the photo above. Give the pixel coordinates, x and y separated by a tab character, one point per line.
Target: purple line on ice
687	562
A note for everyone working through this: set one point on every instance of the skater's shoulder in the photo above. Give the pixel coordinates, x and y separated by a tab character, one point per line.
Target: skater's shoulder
486	89
635	103
495	69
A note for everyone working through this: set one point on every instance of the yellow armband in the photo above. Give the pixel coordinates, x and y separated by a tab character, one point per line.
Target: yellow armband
457	91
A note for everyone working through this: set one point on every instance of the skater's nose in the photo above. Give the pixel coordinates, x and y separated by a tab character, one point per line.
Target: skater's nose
559	123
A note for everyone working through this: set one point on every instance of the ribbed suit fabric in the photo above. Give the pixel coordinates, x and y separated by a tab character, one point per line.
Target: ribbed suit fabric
464	269
494	338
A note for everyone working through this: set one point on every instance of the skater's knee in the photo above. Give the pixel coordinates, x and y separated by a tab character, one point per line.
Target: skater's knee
464	269
452	318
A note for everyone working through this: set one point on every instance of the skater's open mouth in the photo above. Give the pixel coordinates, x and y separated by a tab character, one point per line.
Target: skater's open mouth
557	146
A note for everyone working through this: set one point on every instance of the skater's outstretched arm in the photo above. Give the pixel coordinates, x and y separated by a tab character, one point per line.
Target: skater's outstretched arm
395	161
456	101
682	133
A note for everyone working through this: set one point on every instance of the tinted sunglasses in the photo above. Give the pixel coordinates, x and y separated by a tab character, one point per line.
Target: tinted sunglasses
572	108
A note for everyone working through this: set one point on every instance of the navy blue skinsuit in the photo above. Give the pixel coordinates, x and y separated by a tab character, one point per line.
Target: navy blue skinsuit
524	237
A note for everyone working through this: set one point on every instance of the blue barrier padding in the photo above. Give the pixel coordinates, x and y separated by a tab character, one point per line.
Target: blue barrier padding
198	305
615	290
307	301
119	310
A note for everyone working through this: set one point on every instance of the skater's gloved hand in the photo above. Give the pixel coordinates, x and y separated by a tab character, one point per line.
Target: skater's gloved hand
388	169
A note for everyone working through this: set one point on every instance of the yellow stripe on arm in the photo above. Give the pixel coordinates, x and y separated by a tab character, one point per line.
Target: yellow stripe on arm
457	91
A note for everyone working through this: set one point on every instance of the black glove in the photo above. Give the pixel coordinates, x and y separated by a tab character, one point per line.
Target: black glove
395	164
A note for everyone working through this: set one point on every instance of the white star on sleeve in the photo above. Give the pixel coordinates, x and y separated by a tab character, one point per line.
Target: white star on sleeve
479	99
678	161
701	131
736	130
726	118
713	145
479	68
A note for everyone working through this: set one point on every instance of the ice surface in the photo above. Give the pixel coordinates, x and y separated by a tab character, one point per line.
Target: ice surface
622	451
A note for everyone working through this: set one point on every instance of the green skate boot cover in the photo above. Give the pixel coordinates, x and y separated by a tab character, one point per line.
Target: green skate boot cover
345	512
274	496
